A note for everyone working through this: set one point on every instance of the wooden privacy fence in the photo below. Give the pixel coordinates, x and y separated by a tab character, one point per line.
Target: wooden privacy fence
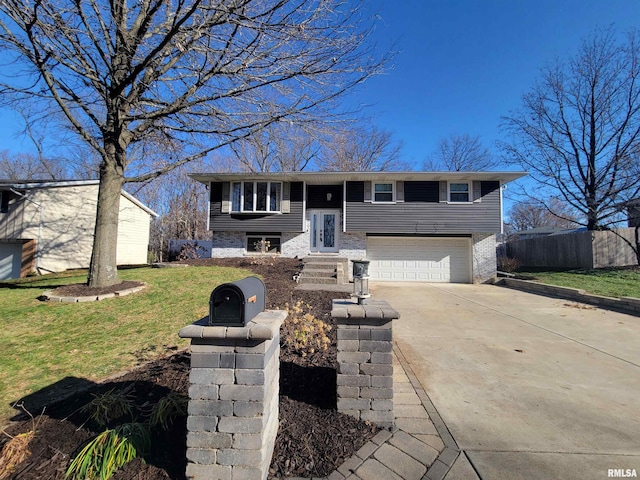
587	249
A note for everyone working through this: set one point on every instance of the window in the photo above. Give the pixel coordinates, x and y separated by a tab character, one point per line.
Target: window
258	243
256	197
4	202
459	192
383	192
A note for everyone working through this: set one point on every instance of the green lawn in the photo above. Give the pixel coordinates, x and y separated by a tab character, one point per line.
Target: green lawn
607	282
42	343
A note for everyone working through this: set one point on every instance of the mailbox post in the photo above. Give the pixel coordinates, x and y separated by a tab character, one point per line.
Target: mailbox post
233	394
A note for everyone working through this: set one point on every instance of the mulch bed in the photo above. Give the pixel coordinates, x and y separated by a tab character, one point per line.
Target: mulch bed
82	290
313	438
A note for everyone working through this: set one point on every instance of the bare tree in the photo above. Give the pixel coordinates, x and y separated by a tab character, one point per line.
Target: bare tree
578	130
182	207
460	153
186	77
533	214
360	149
24	166
280	147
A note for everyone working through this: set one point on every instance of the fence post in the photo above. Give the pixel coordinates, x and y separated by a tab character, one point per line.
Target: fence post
233	398
365	359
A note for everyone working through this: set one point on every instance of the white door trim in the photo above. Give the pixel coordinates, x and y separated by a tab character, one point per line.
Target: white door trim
319	241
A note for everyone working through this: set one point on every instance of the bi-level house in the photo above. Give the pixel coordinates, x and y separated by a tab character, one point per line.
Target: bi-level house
412	226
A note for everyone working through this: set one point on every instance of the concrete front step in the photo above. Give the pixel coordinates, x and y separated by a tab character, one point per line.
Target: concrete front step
318	280
321	265
324	259
325	269
322	272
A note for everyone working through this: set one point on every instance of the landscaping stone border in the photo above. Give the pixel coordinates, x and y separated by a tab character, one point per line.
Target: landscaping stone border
48	295
628	305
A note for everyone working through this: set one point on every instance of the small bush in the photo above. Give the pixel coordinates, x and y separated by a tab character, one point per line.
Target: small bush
508	264
303	333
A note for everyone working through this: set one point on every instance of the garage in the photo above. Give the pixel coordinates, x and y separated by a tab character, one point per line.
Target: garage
10	260
420	259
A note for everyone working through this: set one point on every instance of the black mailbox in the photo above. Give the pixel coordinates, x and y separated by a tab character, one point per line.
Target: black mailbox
235	304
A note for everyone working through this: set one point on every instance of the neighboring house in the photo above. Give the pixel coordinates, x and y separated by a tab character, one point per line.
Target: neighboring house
48	226
413	226
541	232
633	213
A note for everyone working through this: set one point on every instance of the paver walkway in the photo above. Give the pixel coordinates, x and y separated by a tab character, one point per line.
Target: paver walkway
418	448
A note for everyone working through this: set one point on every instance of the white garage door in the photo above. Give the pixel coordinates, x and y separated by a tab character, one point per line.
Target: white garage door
419	259
10	260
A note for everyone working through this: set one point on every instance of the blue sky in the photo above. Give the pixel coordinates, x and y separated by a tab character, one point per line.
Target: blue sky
461	63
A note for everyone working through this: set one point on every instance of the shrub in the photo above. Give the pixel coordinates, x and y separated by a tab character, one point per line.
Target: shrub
508	264
303	333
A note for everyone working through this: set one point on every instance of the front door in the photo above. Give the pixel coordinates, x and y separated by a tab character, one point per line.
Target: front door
324	231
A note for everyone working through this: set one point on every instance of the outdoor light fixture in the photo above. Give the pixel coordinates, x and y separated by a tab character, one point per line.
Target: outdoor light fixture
361	281
329	196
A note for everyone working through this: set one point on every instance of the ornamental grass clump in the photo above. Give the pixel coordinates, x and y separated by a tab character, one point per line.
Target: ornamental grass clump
110	406
130	439
302	332
109	451
168	409
16	450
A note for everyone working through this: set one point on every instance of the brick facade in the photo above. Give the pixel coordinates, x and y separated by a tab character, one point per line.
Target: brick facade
483	254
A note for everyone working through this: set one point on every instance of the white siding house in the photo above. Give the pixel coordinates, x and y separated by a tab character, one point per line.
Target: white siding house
58	218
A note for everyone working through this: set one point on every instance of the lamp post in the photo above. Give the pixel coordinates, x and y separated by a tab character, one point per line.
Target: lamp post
361	280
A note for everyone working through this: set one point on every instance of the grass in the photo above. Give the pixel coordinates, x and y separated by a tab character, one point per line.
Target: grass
43	343
606	282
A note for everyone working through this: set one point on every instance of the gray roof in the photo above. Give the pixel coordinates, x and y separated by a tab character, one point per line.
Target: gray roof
339	177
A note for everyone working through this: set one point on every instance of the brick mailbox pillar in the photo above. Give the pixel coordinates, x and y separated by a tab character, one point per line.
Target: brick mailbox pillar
365	359
233	398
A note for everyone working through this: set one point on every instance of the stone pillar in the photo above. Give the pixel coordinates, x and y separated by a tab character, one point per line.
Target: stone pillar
365	359
233	398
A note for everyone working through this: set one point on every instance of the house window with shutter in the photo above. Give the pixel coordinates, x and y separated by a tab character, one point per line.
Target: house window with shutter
459	192
383	192
256	197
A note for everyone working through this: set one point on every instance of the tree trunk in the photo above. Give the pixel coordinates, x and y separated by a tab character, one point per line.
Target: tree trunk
103	270
637	239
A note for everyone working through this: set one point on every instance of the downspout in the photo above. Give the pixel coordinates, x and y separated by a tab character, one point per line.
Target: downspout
502	187
40	209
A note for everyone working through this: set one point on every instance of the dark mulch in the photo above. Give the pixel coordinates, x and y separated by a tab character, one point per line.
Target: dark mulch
313	438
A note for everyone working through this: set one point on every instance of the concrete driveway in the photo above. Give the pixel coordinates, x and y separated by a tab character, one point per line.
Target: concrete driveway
530	387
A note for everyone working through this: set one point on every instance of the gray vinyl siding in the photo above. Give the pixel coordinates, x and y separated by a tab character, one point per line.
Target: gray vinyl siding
424	217
256	222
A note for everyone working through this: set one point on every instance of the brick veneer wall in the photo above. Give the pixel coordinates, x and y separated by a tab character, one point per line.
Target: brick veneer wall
227	244
365	361
484	264
233	398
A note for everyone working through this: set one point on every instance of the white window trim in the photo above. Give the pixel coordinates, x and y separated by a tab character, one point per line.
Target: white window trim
255	197
393	192
469	192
